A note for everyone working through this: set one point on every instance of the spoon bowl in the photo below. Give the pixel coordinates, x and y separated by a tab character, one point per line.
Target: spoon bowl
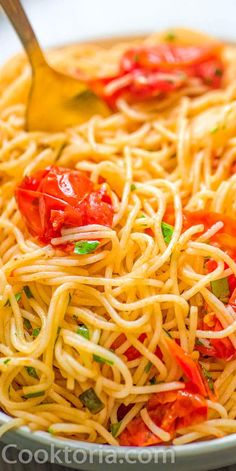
56	101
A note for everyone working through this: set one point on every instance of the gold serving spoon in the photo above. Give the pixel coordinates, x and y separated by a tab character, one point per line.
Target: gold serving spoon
56	101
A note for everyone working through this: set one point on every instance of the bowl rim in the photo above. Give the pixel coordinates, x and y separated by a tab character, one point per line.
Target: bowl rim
190	450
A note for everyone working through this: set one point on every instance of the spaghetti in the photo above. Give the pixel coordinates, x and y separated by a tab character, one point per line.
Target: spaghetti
118	273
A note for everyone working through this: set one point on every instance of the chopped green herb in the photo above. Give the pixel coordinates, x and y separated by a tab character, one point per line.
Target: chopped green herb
32	372
36	332
50	430
132	187
170	36
83	331
6	361
199	343
167	333
142	216
58	333
167	231
18	296
208	377
27	324
115	428
148	367
35	394
90	400
28	292
84	247
214	130
99	359
218	72
153	380
220	288
136	58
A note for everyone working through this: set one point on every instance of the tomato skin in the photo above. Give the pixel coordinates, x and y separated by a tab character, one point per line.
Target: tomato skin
58	197
167	57
168	410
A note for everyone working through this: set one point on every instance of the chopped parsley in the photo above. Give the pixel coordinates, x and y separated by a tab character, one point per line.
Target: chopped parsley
99	359
199	343
27	324
208	377
32	372
148	367
220	288
7	361
84	247
214	130
83	331
170	36
35	394
18	296
167	231
28	292
115	428
90	400
36	332
132	187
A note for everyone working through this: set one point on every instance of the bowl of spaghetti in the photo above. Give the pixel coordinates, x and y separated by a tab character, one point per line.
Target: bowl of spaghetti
118	273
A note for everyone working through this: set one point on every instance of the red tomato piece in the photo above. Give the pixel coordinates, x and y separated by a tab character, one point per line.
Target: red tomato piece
131	353
168	410
188	365
58	197
222	349
147	71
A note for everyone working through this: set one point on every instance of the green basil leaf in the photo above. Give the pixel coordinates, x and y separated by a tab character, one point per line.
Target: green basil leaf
27	324
35	394
84	247
83	331
220	288
36	332
167	231
32	372
99	359
90	400
28	292
115	428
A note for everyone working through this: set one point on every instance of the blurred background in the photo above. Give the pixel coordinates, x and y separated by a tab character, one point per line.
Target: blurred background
63	21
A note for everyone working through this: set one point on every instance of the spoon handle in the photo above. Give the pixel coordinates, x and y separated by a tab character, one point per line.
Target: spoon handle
22	26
